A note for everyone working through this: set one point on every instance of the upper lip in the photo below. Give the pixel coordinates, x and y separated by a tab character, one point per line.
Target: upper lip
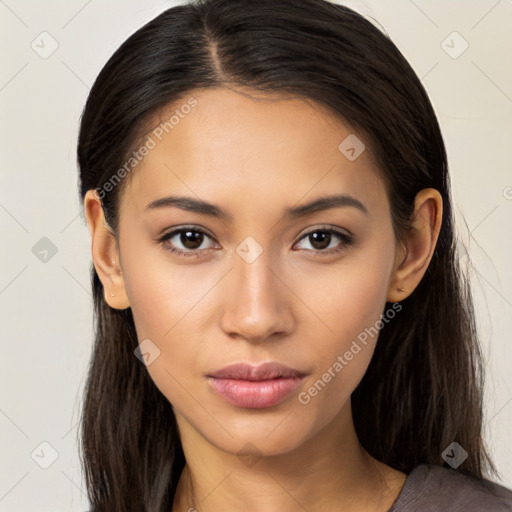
264	371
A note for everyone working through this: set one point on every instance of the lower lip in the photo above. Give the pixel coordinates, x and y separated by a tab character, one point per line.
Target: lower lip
255	394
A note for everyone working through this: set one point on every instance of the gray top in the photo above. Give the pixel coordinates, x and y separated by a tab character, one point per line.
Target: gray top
430	488
439	489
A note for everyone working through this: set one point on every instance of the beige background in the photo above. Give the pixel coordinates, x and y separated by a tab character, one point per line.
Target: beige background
45	307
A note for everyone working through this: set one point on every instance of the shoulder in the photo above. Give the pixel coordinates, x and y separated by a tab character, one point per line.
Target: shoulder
434	488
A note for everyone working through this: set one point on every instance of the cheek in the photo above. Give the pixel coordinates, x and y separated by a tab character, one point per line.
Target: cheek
162	293
341	360
347	299
166	300
349	302
165	307
163	310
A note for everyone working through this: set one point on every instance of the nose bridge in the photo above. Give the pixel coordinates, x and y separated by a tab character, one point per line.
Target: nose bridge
256	306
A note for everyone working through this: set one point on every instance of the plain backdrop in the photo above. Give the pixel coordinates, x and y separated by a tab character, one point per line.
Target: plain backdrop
460	50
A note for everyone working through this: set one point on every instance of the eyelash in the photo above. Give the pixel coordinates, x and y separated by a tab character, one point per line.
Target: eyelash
347	241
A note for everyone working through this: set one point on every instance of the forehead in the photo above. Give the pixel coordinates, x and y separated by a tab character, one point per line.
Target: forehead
240	149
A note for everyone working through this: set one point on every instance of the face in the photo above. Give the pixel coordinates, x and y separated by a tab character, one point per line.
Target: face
257	278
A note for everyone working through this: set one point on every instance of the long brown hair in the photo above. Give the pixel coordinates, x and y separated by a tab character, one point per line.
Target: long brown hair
423	388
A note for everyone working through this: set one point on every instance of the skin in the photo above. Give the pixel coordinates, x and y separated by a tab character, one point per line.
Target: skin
255	158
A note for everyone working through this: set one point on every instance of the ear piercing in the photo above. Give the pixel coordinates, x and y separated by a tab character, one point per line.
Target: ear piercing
400	289
110	275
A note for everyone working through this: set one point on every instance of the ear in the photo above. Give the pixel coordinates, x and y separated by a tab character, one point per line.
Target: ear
104	253
414	255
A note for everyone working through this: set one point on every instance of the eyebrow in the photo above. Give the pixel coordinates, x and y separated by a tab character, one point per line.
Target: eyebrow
203	208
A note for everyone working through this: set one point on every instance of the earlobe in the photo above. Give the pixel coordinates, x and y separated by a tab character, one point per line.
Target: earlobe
104	253
415	255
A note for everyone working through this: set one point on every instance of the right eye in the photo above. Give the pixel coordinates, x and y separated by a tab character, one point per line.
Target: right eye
190	238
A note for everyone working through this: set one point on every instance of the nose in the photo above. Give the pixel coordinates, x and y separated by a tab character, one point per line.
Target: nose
257	303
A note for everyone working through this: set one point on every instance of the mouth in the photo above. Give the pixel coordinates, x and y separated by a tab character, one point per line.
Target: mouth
255	387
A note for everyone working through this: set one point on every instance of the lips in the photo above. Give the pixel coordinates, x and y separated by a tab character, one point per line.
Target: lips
254	387
265	371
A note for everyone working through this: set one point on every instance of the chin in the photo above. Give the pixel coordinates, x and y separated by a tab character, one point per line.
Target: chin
257	434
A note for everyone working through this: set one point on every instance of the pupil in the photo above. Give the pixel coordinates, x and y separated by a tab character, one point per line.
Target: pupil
191	239
320	237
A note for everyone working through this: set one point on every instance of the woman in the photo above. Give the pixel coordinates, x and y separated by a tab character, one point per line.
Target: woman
281	323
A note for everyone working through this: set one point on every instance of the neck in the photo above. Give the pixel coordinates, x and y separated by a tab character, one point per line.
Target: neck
330	471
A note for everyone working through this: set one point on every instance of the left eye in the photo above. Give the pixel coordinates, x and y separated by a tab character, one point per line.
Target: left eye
321	240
